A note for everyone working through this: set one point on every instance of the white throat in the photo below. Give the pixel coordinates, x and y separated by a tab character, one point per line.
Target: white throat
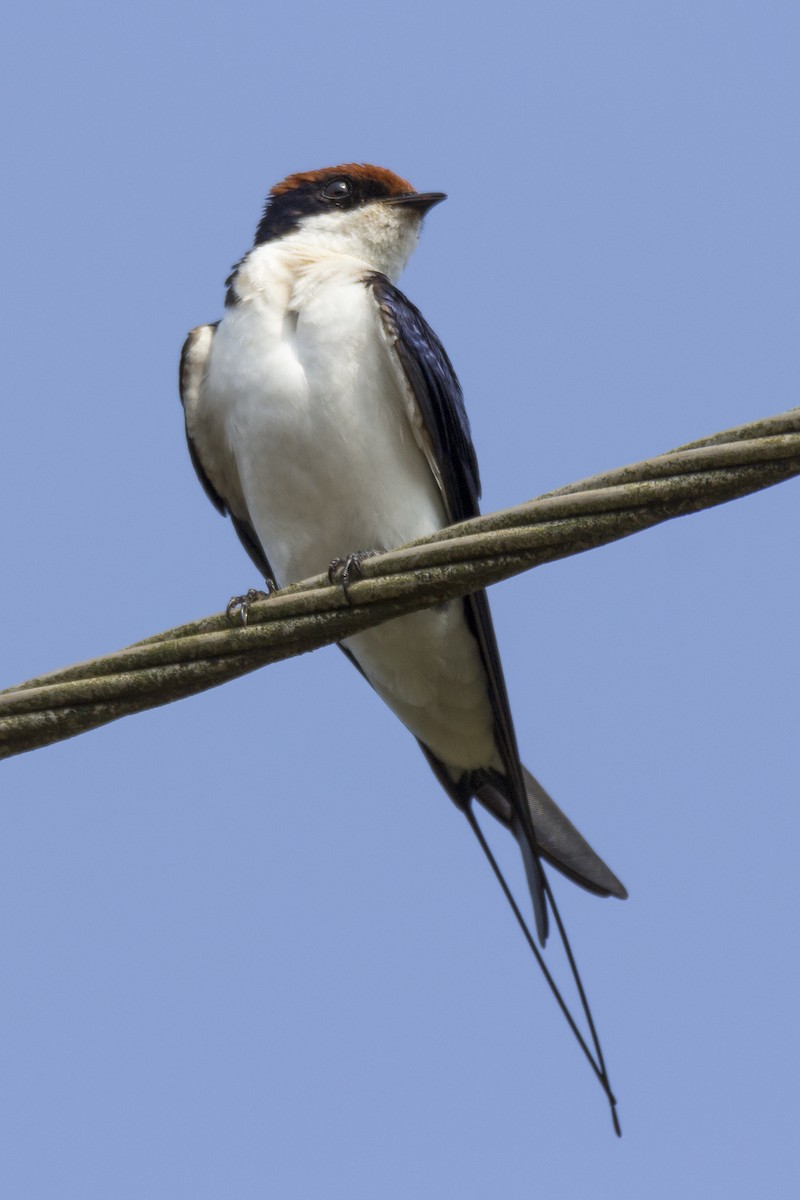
382	235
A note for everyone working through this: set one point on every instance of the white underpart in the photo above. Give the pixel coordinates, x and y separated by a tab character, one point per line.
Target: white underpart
303	399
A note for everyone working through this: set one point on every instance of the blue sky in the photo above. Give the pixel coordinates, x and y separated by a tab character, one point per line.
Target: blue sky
247	947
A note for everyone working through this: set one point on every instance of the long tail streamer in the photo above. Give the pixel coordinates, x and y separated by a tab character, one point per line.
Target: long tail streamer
596	1060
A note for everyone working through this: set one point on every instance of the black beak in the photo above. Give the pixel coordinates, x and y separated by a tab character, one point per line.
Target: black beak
420	201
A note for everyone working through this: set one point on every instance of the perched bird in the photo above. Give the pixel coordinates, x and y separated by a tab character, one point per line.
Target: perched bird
324	416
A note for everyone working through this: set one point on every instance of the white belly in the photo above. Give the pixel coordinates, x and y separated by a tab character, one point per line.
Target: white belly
328	465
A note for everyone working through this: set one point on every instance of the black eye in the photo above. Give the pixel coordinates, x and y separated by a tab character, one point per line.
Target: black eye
336	190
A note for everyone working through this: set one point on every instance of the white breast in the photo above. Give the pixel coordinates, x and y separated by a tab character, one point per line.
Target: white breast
302	386
316	420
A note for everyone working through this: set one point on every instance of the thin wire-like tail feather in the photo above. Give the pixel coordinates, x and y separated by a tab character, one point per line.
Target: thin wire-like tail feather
597	1063
601	1062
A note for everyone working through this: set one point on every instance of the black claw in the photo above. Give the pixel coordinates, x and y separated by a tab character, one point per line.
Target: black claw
239	606
334	566
343	570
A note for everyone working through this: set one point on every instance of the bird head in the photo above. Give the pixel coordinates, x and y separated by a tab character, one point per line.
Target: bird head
355	209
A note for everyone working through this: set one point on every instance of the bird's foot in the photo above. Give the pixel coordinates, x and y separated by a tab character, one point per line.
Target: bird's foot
345	570
239	606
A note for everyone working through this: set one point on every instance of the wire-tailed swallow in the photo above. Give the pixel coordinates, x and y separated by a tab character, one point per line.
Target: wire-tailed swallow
324	416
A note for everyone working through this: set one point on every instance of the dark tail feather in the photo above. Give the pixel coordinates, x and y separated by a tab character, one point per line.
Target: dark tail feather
557	839
492	792
535	876
562	845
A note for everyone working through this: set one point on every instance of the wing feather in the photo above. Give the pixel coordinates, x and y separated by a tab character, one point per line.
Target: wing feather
436	409
437	399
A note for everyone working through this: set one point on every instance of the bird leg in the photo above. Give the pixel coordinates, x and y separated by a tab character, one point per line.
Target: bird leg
239	606
344	570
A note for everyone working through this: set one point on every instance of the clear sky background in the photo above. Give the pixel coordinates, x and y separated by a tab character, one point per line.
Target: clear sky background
247	946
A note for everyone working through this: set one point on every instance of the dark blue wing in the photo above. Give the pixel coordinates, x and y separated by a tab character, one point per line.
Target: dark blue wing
437	392
438	395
